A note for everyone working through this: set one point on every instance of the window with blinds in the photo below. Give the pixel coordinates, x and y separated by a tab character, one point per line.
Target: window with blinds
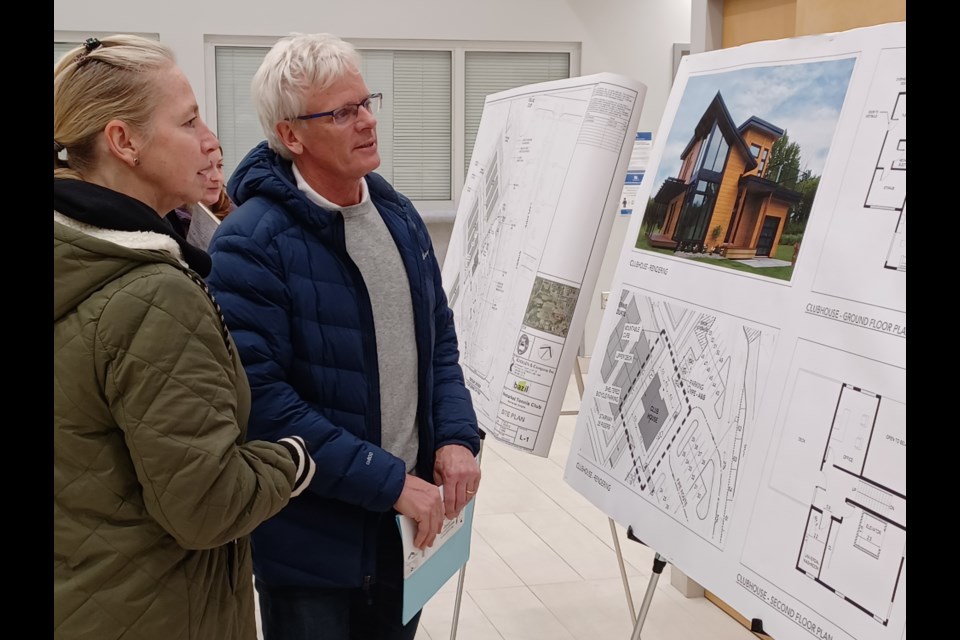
413	126
487	72
419	117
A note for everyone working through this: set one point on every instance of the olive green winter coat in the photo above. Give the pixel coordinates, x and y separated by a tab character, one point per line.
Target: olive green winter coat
154	491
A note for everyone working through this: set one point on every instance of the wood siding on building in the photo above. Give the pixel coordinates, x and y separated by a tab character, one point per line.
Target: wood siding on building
687	169
764	141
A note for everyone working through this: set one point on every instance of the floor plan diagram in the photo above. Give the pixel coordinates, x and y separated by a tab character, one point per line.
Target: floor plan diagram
835	506
897	256
888	189
854	543
529	231
672	415
872	201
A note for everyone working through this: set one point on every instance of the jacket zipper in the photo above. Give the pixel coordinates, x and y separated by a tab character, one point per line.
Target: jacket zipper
366	590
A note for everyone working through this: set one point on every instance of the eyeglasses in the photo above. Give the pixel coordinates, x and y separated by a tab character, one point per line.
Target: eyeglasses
348	112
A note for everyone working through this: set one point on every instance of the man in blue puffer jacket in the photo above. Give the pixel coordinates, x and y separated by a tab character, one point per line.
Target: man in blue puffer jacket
331	290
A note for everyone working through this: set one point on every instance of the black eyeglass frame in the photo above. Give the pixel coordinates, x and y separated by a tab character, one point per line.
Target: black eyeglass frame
353	109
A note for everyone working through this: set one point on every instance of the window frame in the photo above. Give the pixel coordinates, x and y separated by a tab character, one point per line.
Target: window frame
430	210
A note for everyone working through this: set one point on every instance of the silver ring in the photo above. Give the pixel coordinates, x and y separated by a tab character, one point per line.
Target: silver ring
471	493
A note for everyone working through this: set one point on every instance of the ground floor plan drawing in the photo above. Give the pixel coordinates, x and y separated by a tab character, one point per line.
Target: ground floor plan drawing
672	415
897	256
872	202
888	189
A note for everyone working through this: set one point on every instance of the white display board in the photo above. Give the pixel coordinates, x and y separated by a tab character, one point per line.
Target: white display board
745	409
532	225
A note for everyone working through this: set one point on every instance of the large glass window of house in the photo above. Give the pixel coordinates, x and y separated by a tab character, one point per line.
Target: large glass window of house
697	210
716	154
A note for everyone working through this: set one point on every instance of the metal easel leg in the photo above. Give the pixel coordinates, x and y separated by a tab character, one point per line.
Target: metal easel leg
623	569
578	376
463	569
659	562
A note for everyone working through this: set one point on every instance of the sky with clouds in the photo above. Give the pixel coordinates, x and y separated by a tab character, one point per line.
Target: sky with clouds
805	99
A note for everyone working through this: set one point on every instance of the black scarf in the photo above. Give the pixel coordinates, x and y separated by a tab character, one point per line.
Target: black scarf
108	209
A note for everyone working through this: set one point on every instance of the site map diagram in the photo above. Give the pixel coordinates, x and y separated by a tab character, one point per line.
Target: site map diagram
672	416
529	235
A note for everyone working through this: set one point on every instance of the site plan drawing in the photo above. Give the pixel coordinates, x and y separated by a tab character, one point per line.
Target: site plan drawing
679	392
745	408
532	225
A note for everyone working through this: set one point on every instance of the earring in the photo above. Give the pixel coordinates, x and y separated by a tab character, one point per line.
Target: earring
136	161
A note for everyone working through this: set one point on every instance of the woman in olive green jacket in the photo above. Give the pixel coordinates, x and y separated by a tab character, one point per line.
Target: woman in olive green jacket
155	489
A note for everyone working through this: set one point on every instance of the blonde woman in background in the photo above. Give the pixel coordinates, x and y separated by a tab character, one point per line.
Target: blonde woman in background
155	491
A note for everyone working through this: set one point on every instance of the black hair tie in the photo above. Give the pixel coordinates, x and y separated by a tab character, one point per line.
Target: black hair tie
84	56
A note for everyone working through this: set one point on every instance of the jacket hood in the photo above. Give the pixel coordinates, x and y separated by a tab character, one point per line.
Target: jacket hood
263	173
100	234
86	258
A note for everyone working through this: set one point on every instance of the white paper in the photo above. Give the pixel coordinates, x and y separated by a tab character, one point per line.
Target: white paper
413	557
203	224
746	415
533	222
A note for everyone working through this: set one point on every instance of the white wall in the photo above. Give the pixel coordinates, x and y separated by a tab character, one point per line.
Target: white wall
630	37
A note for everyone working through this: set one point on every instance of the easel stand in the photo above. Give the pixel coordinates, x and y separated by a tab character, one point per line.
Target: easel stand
463	569
658	561
658	564
578	376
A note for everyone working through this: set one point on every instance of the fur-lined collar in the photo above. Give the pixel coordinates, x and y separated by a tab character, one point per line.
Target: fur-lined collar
144	240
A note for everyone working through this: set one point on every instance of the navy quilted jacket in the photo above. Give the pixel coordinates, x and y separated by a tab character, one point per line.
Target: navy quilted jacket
300	314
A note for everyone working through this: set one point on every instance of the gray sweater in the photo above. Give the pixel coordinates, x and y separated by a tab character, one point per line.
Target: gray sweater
373	250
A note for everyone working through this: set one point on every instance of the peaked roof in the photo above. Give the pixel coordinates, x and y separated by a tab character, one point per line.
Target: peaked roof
717	112
758	123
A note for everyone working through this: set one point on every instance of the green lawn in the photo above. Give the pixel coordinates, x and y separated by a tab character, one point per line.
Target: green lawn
783	252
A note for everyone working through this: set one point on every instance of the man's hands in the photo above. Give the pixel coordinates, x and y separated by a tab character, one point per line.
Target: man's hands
457	470
421	502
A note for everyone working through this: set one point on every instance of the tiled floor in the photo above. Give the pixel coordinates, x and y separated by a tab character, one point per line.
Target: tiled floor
543	564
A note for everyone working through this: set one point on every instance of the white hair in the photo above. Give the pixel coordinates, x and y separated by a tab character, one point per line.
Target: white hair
295	65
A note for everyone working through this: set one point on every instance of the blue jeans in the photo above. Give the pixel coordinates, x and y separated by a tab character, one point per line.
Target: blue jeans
312	613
